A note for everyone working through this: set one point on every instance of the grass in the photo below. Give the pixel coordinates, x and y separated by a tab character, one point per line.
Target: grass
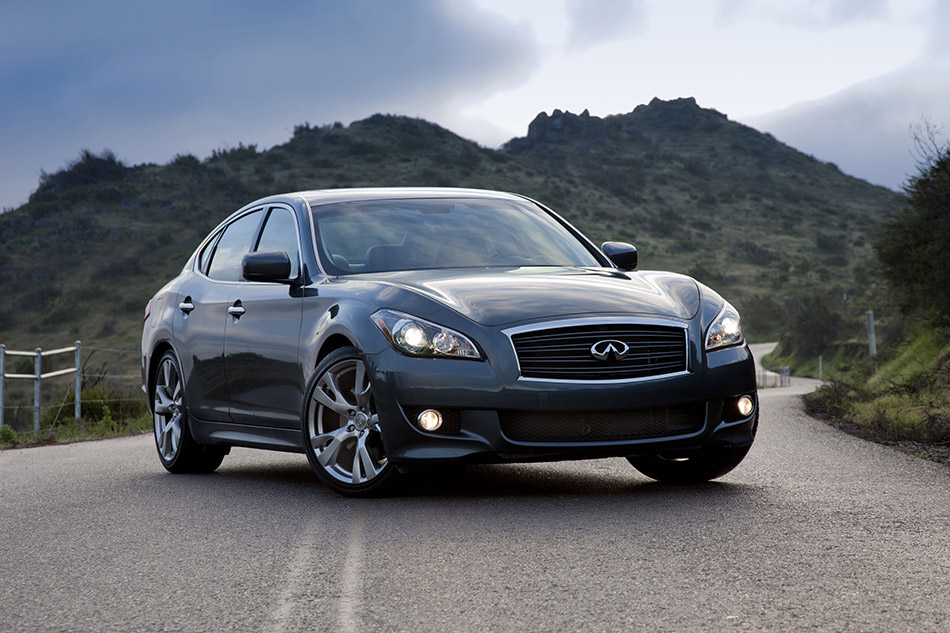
906	400
108	410
72	430
839	359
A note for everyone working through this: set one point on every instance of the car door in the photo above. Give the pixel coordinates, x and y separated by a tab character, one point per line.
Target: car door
262	336
202	315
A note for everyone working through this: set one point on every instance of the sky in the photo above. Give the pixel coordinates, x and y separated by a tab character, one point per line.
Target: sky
843	80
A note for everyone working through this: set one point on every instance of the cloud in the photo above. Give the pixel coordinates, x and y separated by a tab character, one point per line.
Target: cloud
594	22
939	45
151	80
820	14
865	129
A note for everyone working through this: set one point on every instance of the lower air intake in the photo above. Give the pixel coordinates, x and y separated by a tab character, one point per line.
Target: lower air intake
601	426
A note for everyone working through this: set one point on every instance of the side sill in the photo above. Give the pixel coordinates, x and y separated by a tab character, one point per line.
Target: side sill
230	434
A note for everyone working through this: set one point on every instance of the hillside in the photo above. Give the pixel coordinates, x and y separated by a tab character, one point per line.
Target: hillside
729	205
696	192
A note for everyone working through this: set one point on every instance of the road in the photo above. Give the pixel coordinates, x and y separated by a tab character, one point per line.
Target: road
816	530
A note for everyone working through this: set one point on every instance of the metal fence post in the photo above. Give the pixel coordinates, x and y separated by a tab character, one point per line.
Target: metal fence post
786	376
872	340
3	371
37	390
77	388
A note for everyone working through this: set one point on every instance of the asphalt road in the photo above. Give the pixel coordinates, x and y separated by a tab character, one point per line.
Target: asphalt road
816	530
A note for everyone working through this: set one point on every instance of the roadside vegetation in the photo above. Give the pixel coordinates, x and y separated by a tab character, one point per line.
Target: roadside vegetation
904	394
71	430
108	410
783	236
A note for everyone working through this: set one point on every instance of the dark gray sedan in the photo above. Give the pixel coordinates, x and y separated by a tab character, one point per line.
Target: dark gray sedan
377	329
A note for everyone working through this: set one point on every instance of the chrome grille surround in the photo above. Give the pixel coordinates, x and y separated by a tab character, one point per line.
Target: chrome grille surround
559	351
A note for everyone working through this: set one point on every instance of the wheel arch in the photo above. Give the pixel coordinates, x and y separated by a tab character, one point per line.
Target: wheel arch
156	356
334	342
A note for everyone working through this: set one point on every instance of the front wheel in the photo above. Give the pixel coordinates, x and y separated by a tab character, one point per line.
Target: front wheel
341	427
709	462
177	450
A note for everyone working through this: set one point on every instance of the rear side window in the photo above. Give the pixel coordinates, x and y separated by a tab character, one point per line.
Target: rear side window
280	234
205	255
233	245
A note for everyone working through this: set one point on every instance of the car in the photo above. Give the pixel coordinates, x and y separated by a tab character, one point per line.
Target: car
378	330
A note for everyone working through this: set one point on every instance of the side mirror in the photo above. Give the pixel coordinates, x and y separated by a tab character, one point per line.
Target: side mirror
272	266
623	255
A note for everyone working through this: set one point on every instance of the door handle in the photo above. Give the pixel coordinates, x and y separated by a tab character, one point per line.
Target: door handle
236	311
186	306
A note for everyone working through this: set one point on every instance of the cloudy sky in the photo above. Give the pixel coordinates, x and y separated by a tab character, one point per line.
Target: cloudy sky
840	79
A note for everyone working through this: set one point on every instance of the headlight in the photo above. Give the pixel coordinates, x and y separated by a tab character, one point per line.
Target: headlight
725	329
418	337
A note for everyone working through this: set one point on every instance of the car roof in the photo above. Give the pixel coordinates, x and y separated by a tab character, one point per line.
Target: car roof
329	196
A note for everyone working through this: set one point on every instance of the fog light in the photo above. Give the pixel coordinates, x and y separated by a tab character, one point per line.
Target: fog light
430	419
745	405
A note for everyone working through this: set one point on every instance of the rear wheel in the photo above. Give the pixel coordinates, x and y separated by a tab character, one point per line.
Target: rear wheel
709	462
341	427
177	450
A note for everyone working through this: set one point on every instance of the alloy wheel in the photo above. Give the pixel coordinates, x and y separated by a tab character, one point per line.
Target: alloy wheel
168	410
343	425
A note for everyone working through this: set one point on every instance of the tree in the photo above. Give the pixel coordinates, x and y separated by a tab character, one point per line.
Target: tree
913	246
812	323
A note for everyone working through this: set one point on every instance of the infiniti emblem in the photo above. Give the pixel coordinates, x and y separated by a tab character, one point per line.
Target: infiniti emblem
609	350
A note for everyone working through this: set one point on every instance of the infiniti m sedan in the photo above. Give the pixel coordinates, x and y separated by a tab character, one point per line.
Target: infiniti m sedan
378	329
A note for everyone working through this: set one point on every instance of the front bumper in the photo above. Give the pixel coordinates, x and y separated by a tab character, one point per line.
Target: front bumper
492	416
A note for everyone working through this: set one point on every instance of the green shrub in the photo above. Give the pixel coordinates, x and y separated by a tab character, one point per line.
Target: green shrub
912	245
8	436
101	404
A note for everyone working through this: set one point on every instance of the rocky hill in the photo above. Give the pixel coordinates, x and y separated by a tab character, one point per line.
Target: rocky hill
694	191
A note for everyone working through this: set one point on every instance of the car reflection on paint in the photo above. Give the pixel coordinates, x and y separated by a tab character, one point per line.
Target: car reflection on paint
378	329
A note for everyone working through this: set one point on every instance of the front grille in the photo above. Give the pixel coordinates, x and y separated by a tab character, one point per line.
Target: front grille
565	353
602	426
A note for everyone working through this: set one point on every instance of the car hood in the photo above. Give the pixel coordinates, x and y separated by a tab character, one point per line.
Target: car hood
500	296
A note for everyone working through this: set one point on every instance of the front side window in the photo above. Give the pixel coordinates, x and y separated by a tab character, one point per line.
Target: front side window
233	245
280	234
386	235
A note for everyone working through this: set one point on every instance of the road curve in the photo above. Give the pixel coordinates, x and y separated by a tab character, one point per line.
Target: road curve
816	530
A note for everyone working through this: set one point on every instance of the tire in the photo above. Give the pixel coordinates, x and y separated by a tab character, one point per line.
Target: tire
709	462
340	428
177	450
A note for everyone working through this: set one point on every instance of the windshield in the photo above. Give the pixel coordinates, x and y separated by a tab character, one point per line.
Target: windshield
385	235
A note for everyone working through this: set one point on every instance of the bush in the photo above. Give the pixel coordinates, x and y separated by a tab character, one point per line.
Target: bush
912	245
8	436
102	404
89	169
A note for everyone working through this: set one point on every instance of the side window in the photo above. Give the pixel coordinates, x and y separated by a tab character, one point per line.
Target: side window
231	248
280	234
205	255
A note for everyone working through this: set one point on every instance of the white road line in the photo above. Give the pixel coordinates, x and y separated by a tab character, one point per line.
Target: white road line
310	553
351	588
300	569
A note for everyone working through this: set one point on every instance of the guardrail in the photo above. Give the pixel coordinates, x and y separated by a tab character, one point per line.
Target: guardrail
781	378
37	376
